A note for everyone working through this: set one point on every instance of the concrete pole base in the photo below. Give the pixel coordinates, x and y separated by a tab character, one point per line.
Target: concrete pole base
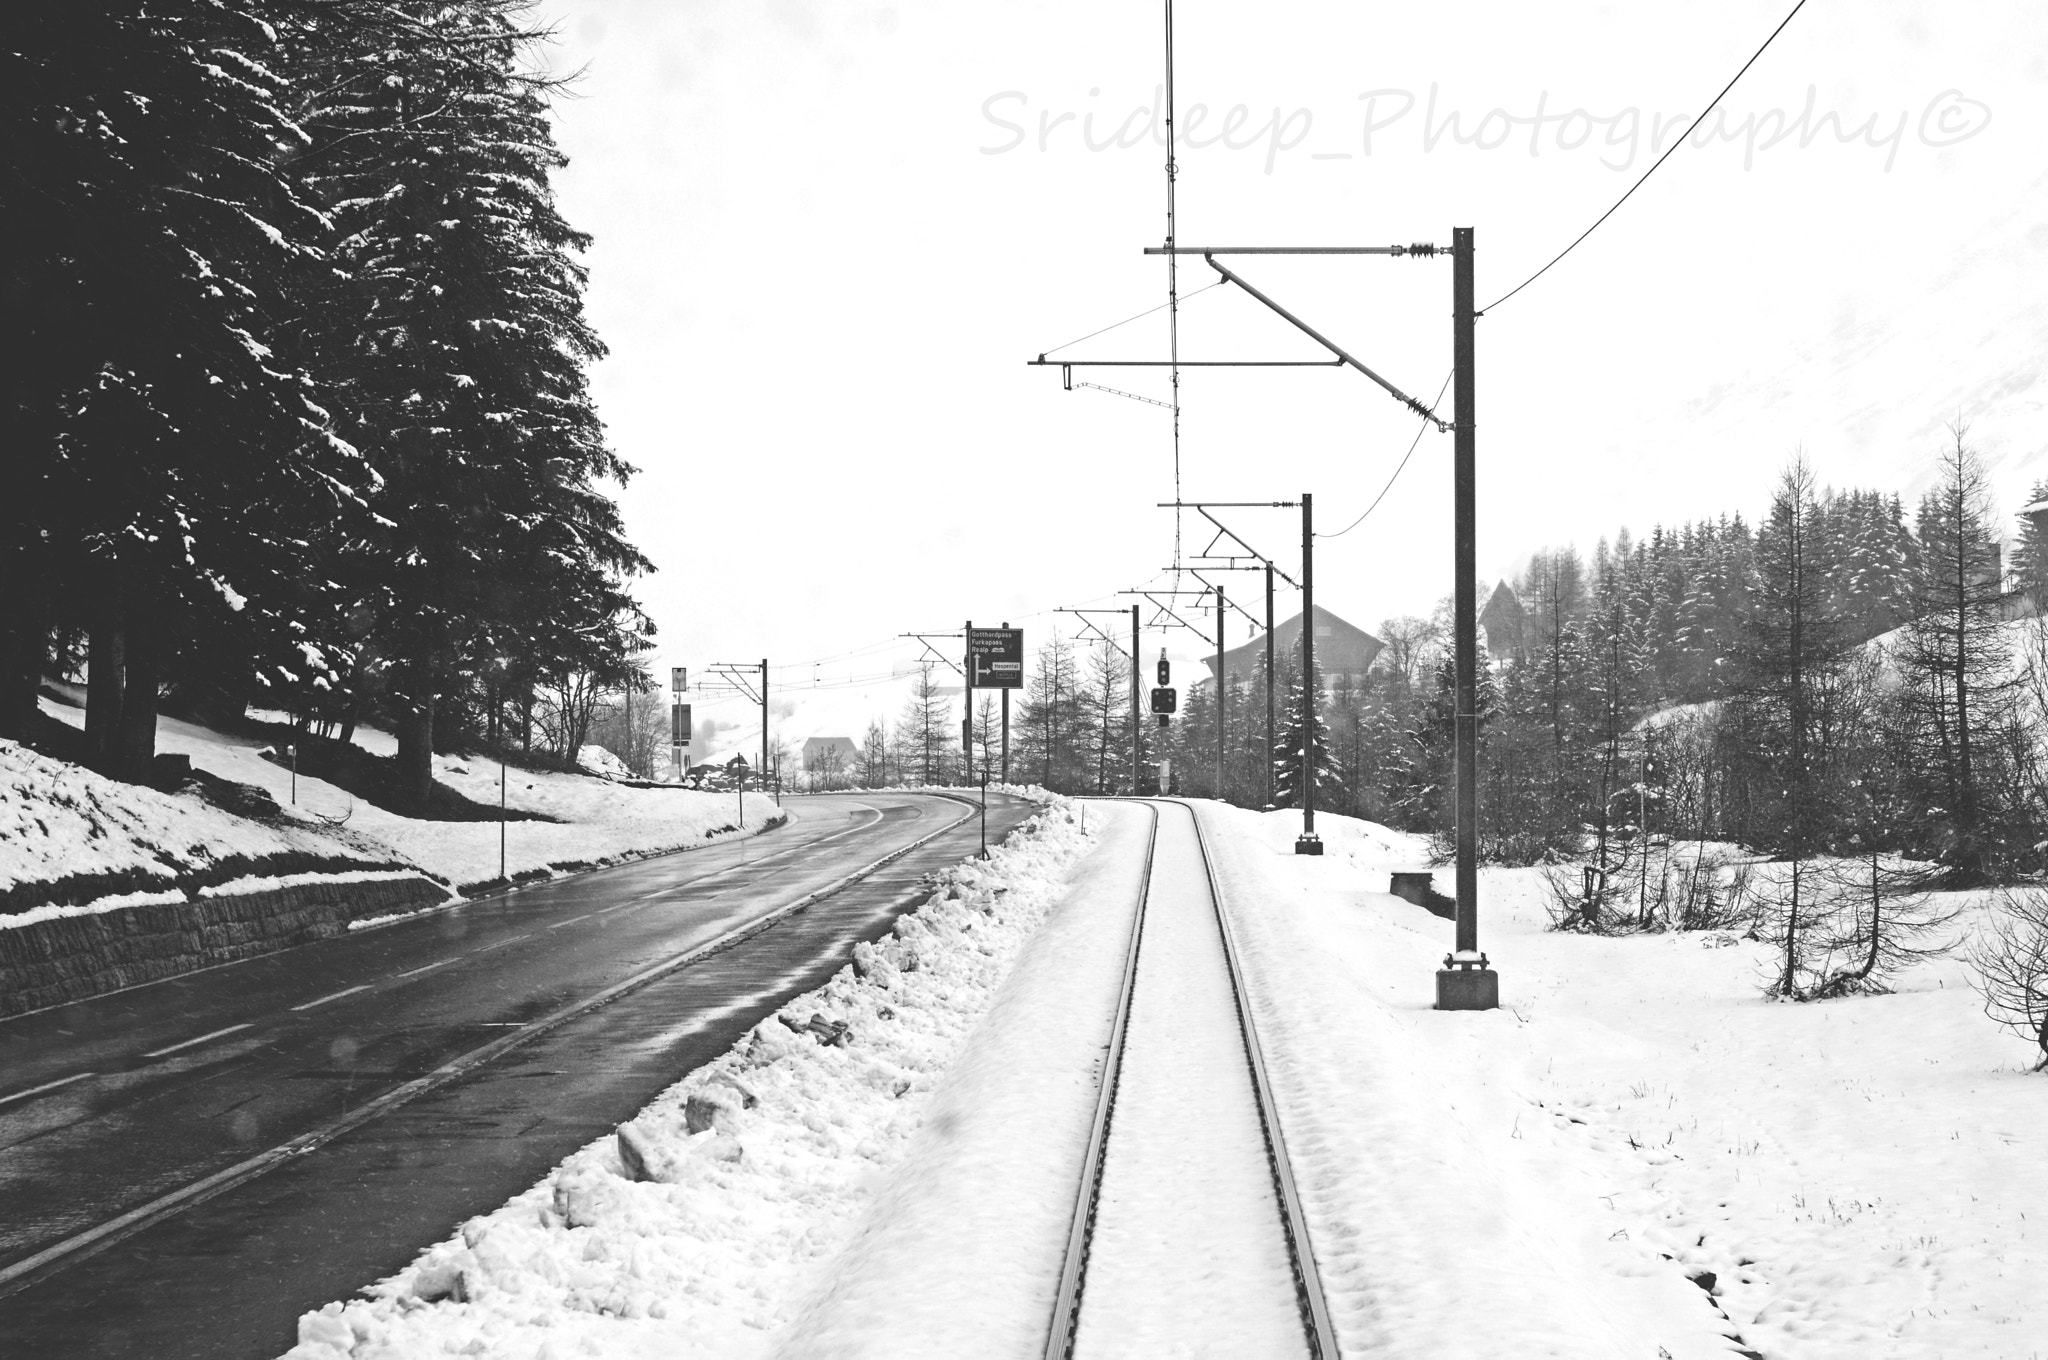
1308	845
1465	985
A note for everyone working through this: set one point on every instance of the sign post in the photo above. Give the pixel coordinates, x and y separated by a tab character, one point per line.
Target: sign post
679	722
995	660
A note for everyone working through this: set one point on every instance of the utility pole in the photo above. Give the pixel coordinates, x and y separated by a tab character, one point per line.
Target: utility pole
1308	842
1219	694
1272	739
1005	692
764	718
1137	758
1465	983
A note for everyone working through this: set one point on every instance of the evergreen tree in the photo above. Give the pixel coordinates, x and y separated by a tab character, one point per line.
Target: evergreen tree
1957	662
2030	552
152	395
1304	747
453	332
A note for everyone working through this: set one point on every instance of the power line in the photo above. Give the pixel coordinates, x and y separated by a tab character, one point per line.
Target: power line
1420	431
1653	168
1129	319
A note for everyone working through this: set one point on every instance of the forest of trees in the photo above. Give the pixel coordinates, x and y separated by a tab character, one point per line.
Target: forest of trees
1712	679
297	410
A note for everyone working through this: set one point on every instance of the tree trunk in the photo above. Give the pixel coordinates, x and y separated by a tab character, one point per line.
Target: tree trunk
105	678
416	752
134	738
24	647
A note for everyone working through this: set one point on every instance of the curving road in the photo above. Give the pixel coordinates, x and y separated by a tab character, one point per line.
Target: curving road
190	1165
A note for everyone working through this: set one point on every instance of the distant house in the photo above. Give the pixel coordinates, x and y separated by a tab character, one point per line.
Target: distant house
829	755
1506	626
1342	649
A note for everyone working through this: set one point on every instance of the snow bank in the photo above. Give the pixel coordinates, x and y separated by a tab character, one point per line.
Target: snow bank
700	1227
603	763
69	836
595	820
1637	1156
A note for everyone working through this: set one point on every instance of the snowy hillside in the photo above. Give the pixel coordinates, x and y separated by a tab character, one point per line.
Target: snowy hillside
592	820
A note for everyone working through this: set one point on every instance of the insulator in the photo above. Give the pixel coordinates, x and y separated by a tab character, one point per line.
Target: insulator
1422	248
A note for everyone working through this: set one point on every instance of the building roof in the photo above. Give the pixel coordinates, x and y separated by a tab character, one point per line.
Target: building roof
1503	619
1342	647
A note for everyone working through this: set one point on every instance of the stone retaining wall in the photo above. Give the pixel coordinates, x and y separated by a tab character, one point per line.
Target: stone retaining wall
70	957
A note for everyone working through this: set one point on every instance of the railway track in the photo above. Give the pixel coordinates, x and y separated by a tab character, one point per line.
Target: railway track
1188	1236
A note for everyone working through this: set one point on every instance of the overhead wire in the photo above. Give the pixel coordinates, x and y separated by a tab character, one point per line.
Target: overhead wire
1653	167
1420	431
1129	319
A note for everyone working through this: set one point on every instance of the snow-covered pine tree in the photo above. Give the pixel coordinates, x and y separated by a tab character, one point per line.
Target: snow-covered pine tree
2030	552
1304	744
151	395
455	331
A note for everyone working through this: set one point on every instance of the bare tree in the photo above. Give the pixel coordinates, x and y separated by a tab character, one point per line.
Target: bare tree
2010	956
871	761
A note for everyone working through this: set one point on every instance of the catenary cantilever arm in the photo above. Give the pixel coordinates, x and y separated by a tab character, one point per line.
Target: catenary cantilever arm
1312	333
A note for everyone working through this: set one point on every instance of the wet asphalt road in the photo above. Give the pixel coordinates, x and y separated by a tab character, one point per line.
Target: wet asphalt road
108	1104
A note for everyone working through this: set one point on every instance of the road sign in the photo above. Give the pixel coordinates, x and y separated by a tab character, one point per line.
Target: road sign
679	678
1164	700
679	724
995	658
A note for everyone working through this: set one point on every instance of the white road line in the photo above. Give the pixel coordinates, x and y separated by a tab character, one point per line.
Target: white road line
333	996
231	1029
415	972
46	1086
572	920
499	945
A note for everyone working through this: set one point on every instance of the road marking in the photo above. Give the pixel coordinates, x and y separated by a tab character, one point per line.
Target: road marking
333	996
572	920
123	1225
415	972
500	944
46	1086
231	1029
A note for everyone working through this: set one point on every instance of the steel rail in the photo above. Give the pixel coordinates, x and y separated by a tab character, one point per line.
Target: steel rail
1066	1313
1308	1280
1317	1329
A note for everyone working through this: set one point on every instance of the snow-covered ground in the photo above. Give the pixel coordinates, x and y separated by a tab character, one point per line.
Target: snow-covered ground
1635	1157
597	821
60	821
1861	1178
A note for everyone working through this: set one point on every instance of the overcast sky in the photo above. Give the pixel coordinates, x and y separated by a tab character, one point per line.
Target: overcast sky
828	237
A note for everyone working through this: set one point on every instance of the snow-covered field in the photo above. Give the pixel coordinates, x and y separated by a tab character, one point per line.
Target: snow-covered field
598	821
1857	1178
